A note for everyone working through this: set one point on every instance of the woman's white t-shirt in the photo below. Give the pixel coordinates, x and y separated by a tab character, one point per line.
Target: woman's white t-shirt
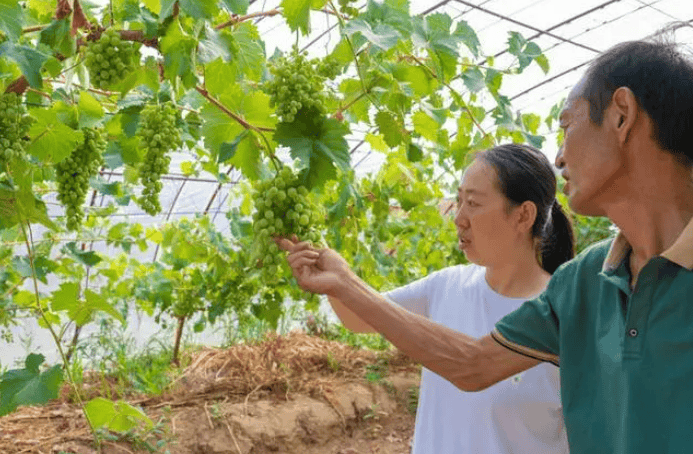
521	414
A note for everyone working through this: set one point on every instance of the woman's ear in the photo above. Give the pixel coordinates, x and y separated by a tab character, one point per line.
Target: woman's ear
525	214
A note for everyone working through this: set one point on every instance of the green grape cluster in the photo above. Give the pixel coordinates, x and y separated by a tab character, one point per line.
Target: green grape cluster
283	208
73	173
14	125
328	67
110	59
346	8
296	85
159	135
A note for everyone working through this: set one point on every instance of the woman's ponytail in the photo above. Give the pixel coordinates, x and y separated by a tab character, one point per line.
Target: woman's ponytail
558	242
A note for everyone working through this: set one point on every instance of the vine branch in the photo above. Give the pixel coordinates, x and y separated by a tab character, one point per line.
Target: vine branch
203	91
463	105
30	251
235	19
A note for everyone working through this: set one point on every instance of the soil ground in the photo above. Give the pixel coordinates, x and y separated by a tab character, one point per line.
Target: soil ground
293	394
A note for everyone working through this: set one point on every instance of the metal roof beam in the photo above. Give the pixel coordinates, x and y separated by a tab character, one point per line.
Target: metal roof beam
522	24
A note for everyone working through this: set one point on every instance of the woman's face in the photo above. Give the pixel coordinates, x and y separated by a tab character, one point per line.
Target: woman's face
485	228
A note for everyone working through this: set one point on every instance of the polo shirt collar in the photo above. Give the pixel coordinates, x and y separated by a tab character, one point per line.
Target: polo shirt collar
681	252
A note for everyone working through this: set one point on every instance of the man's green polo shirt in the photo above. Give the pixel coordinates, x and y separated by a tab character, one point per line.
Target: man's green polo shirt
626	356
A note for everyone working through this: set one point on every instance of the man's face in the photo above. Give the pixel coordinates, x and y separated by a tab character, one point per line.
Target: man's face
589	156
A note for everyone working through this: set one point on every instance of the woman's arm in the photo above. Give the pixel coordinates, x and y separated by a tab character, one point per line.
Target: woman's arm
348	318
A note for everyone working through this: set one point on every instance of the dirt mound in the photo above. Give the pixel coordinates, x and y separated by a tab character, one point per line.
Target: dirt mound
292	394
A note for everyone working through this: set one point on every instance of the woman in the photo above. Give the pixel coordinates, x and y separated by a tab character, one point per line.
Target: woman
514	234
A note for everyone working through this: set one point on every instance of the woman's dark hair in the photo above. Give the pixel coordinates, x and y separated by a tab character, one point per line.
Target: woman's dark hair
660	76
524	173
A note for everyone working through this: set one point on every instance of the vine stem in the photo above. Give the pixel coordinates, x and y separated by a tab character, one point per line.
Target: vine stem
29	240
237	19
356	59
203	91
350	103
462	104
34	28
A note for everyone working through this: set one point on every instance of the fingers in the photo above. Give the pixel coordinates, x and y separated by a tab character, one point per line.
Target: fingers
303	258
284	244
292	245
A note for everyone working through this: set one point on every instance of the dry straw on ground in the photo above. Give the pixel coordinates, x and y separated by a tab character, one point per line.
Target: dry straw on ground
278	367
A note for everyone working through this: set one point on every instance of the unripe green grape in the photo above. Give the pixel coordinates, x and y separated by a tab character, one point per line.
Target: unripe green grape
14	127
73	175
160	118
284	216
109	60
295	85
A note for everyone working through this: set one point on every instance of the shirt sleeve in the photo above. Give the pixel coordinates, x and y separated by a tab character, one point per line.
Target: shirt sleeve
532	329
414	297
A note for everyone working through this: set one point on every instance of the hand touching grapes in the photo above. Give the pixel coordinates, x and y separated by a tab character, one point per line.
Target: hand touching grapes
315	270
283	206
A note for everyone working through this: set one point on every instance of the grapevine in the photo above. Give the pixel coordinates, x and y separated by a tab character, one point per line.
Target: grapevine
298	84
110	59
346	8
159	135
14	125
73	173
283	208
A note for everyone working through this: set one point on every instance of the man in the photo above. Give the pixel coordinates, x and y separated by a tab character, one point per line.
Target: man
619	317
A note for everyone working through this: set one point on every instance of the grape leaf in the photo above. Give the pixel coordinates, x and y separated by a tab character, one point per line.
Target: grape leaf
237	6
199	9
21	204
394	13
297	13
220	130
433	33
228	149
543	63
382	35
473	79
414	153
390	128
28	59
90	110
248	53
515	43
29	386
153	5
42	266
178	48
534	140
426	126
212	46
319	143
57	37
52	140
467	35
88	258
415	77
11	18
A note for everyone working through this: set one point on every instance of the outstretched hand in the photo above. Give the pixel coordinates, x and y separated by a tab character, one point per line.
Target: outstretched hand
315	270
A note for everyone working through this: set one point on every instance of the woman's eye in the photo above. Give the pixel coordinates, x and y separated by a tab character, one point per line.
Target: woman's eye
472	203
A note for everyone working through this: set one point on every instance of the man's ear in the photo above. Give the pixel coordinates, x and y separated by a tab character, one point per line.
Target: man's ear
623	113
525	214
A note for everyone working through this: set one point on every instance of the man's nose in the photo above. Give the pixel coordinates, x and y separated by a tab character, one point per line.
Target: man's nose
560	162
